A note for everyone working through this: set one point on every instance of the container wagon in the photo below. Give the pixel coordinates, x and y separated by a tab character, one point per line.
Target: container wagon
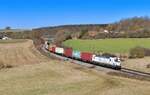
68	52
59	51
87	57
76	54
52	49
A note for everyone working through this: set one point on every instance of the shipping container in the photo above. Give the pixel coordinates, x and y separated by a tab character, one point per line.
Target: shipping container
52	49
76	54
68	52
85	56
59	50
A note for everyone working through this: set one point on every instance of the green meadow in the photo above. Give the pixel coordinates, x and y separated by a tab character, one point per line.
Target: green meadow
120	45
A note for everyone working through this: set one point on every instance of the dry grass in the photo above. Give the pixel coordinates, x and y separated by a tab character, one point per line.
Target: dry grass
59	78
19	53
138	64
51	77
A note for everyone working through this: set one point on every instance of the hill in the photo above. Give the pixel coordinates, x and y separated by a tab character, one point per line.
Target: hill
70	28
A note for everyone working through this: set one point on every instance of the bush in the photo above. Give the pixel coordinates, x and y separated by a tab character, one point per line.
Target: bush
147	51
148	66
2	66
137	52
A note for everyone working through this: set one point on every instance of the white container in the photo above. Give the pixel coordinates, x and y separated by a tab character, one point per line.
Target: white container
59	50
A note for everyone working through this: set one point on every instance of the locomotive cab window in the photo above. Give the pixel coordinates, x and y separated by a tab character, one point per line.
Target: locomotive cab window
117	60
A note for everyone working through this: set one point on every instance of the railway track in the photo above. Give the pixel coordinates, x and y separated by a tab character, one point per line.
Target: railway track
135	72
124	72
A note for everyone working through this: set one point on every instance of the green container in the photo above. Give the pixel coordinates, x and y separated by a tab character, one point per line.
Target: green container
76	54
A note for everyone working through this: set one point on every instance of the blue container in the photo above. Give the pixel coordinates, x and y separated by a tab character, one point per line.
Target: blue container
76	54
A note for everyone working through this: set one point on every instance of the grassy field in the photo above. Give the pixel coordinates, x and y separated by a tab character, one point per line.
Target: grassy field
12	41
137	64
107	45
40	75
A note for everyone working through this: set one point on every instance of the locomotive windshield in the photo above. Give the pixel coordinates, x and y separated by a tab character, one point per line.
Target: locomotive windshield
117	60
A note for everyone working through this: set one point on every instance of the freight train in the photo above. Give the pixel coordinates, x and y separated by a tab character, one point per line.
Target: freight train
110	62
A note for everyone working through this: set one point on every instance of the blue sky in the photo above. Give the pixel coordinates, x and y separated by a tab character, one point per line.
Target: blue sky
39	13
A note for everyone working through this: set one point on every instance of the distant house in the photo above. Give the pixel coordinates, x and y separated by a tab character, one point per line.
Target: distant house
4	38
106	31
